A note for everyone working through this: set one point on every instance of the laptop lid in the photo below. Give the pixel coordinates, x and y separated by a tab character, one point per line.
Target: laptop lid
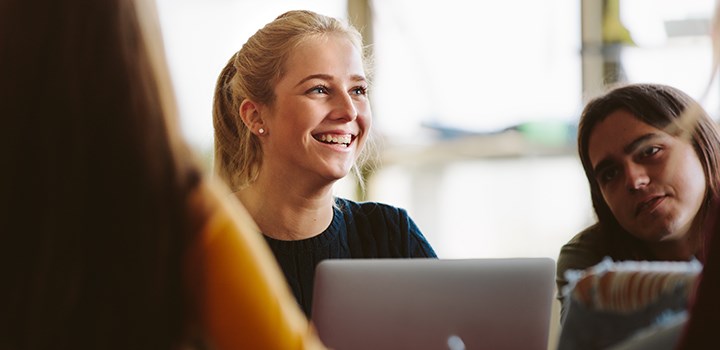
434	304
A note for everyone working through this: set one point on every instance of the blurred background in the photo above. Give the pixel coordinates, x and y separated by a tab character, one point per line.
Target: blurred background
475	104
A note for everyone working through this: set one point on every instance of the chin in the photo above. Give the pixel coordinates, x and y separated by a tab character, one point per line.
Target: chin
340	171
659	234
646	233
336	175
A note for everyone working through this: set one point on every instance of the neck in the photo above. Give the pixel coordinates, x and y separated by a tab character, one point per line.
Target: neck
285	210
673	250
681	249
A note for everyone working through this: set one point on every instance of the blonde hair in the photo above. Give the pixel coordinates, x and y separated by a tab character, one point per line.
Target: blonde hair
252	73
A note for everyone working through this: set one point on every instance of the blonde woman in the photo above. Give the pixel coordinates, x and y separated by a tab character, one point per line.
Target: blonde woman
292	117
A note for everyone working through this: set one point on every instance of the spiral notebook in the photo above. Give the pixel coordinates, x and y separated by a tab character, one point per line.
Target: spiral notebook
434	303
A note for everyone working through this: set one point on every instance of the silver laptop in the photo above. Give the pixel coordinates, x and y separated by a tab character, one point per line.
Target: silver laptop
434	304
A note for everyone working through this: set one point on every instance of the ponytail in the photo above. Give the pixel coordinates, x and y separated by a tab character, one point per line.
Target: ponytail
237	151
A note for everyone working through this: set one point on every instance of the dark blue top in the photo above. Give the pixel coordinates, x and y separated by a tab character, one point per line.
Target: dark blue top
358	230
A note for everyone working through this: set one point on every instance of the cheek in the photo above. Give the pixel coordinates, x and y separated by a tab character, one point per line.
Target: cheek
614	201
365	116
361	142
692	179
364	121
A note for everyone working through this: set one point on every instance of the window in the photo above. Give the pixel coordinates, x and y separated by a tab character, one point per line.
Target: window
477	66
672	45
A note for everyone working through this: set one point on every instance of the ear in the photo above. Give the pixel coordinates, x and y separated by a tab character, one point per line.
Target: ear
251	116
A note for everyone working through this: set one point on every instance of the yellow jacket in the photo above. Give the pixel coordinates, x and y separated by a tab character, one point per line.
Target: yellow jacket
244	300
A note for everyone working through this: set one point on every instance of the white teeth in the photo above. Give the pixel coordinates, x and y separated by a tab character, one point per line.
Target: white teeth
341	139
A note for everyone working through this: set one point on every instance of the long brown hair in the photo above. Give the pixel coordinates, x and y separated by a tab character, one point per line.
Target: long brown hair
663	107
94	225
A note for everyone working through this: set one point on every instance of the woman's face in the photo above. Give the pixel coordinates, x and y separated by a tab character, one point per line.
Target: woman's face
321	117
652	181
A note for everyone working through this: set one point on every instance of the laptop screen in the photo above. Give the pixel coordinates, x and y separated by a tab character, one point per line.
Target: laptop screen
434	303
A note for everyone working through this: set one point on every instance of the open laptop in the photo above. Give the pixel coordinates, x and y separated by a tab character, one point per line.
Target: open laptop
434	304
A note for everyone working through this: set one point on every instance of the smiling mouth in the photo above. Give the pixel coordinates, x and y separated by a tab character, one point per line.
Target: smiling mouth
335	139
648	205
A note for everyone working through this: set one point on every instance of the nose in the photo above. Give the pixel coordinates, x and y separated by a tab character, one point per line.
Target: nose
636	177
344	108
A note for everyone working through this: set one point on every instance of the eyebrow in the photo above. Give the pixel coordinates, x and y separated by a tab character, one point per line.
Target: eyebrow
354	77
632	146
629	148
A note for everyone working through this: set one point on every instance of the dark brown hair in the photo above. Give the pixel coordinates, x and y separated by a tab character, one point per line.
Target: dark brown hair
662	107
94	225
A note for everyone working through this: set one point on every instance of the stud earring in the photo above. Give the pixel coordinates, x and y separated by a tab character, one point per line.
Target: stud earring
261	131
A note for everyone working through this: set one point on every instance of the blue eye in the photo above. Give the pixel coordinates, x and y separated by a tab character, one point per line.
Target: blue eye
320	89
359	90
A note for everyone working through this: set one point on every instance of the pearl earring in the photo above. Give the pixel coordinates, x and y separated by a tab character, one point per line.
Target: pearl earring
261	131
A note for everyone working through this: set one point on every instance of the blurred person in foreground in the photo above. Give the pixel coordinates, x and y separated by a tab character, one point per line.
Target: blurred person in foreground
111	237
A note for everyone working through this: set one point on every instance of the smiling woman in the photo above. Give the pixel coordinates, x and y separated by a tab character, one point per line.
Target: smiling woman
651	178
321	116
292	117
